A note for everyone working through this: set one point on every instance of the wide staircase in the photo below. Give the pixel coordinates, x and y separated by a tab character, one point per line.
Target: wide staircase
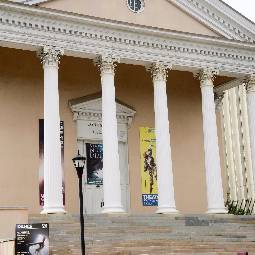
151	234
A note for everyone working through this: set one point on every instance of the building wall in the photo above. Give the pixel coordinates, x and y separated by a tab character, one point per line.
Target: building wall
21	97
159	13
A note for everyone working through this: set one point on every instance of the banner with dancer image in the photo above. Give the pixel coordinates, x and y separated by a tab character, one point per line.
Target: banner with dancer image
41	160
94	154
148	166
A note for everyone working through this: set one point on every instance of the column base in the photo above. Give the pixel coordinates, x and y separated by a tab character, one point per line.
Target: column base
53	210
167	210
113	210
217	211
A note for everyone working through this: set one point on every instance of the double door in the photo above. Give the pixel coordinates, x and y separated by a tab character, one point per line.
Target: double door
92	178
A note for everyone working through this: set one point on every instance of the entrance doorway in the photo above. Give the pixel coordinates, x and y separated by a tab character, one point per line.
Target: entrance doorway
87	113
93	186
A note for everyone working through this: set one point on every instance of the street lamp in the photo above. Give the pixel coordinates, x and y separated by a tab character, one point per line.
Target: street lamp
79	163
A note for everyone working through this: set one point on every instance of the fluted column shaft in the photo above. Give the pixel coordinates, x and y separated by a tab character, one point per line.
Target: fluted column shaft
215	197
166	200
250	87
53	195
111	172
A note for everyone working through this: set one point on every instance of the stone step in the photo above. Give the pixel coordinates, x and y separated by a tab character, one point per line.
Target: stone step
151	234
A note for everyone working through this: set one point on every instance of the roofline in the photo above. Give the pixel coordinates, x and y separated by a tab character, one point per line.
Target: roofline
126	26
233	9
33	2
220	17
245	26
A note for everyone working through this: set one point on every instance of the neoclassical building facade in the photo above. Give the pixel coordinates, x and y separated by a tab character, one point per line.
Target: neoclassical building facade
185	68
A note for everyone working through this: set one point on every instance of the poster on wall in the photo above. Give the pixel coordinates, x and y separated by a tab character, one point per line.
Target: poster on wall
41	160
94	154
32	239
148	166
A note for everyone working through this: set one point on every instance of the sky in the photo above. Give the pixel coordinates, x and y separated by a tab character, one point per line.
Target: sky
246	7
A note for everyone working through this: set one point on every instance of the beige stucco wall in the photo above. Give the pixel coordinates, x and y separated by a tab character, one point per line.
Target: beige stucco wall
157	13
9	217
21	97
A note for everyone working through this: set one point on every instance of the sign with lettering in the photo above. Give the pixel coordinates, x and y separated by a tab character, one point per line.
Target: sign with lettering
32	239
148	166
94	154
92	130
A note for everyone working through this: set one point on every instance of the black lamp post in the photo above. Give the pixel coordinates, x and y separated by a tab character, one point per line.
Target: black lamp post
79	163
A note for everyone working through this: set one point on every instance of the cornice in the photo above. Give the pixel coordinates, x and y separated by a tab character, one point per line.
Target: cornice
220	17
91	111
31	28
216	14
243	22
31	2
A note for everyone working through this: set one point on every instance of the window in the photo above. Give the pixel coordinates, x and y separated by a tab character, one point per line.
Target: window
135	5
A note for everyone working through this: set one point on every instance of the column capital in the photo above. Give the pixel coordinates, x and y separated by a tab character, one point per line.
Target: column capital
206	76
250	83
107	63
159	71
50	55
218	99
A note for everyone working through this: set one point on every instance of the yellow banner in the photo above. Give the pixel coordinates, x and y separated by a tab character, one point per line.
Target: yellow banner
148	166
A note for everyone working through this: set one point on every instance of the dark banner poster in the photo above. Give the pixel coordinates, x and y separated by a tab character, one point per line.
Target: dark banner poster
94	154
32	239
41	156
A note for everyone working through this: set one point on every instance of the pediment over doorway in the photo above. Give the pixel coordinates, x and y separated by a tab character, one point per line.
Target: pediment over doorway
90	108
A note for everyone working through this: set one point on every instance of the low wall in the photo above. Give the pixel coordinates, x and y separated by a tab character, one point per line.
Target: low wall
7	247
9	217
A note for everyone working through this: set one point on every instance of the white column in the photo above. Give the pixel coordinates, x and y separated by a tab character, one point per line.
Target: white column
215	197
250	87
111	172
247	142
218	99
229	155
166	200
53	195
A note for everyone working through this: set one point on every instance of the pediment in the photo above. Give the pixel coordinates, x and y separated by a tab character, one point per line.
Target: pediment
90	106
204	17
159	13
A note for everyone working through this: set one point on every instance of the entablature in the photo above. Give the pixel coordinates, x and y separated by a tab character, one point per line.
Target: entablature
30	28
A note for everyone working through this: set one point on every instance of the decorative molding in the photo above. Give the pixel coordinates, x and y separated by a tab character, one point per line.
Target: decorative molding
92	110
250	83
232	19
106	63
205	75
31	28
31	2
159	71
50	55
220	17
213	13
